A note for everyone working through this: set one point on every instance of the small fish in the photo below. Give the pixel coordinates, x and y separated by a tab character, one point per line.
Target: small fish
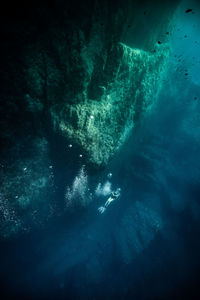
159	42
188	10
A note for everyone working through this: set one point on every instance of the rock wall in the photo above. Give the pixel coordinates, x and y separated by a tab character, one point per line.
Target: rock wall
83	71
95	75
101	125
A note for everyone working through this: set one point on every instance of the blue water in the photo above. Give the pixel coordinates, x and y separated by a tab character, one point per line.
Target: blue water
146	245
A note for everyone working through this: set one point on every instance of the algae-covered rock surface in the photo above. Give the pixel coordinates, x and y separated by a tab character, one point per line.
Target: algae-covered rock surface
102	125
79	74
94	74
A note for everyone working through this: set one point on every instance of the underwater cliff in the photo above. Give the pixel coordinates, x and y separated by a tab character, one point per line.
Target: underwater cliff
99	156
82	77
93	77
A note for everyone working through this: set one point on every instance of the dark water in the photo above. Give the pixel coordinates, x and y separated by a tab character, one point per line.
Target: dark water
146	245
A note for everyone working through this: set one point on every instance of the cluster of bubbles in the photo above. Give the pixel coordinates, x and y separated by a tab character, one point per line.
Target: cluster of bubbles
78	195
103	190
8	217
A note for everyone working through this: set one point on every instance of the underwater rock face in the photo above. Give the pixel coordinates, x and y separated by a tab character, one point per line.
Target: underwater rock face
95	76
102	125
84	74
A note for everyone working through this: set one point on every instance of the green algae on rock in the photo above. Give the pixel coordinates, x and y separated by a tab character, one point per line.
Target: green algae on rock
92	76
101	126
84	74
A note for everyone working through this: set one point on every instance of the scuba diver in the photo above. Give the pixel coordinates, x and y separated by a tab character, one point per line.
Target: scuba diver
114	196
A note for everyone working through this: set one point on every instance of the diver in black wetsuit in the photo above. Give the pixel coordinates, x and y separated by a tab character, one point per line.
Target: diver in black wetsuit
114	196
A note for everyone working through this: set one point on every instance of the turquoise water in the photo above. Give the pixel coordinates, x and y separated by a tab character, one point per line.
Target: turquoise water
146	244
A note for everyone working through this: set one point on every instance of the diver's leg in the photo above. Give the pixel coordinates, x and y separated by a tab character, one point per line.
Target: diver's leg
101	209
108	202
